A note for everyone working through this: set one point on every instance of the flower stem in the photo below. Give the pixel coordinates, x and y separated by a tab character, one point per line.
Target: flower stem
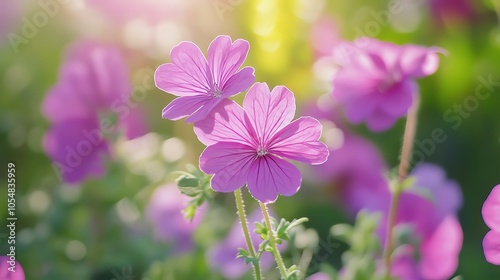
408	138
272	241
241	213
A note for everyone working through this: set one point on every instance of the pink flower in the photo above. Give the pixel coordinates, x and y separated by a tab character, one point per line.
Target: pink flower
376	81
164	211
93	81
250	145
201	85
491	216
319	276
429	209
10	269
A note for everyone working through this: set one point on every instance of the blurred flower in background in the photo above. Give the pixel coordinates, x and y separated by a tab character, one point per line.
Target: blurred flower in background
222	256
164	211
87	107
430	235
375	83
443	11
491	216
10	270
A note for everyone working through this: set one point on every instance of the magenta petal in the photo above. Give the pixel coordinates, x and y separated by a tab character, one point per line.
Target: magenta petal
188	58
270	175
491	209
60	98
269	111
5	273
203	112
225	58
360	109
239	82
418	61
226	123
491	246
172	79
379	121
134	123
184	106
229	162
76	148
299	141
398	99
440	250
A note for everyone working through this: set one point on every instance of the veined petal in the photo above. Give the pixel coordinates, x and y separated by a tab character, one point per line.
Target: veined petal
491	209
225	58
203	112
299	141
269	111
189	59
239	82
269	176
172	79
229	162
184	106
491	246
226	123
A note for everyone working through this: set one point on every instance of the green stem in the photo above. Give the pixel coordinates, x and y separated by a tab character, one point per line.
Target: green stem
408	138
241	213
272	241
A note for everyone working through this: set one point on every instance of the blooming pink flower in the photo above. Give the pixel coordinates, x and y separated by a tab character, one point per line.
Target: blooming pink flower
164	211
10	269
222	256
430	211
376	81
491	216
201	85
92	81
250	144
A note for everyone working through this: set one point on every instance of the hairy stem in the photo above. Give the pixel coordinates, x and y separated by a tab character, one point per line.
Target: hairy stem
241	213
408	138
272	241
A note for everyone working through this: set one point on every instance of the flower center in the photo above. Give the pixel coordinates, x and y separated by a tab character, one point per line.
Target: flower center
215	91
261	152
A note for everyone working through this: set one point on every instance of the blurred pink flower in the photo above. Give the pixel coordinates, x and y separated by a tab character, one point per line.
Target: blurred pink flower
222	256
92	81
355	168
456	10
318	276
202	85
376	81
429	209
324	36
164	211
10	270
491	216
152	11
250	144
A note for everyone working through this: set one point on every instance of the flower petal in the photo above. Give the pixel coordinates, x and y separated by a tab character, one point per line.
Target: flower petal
188	74
380	121
299	141
269	111
239	82
203	112
270	175
226	123
184	106
440	250
491	246
398	99
417	62
491	209
229	162
76	148
172	79
225	58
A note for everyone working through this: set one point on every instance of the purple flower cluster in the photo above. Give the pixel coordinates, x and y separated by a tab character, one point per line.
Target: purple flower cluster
491	216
